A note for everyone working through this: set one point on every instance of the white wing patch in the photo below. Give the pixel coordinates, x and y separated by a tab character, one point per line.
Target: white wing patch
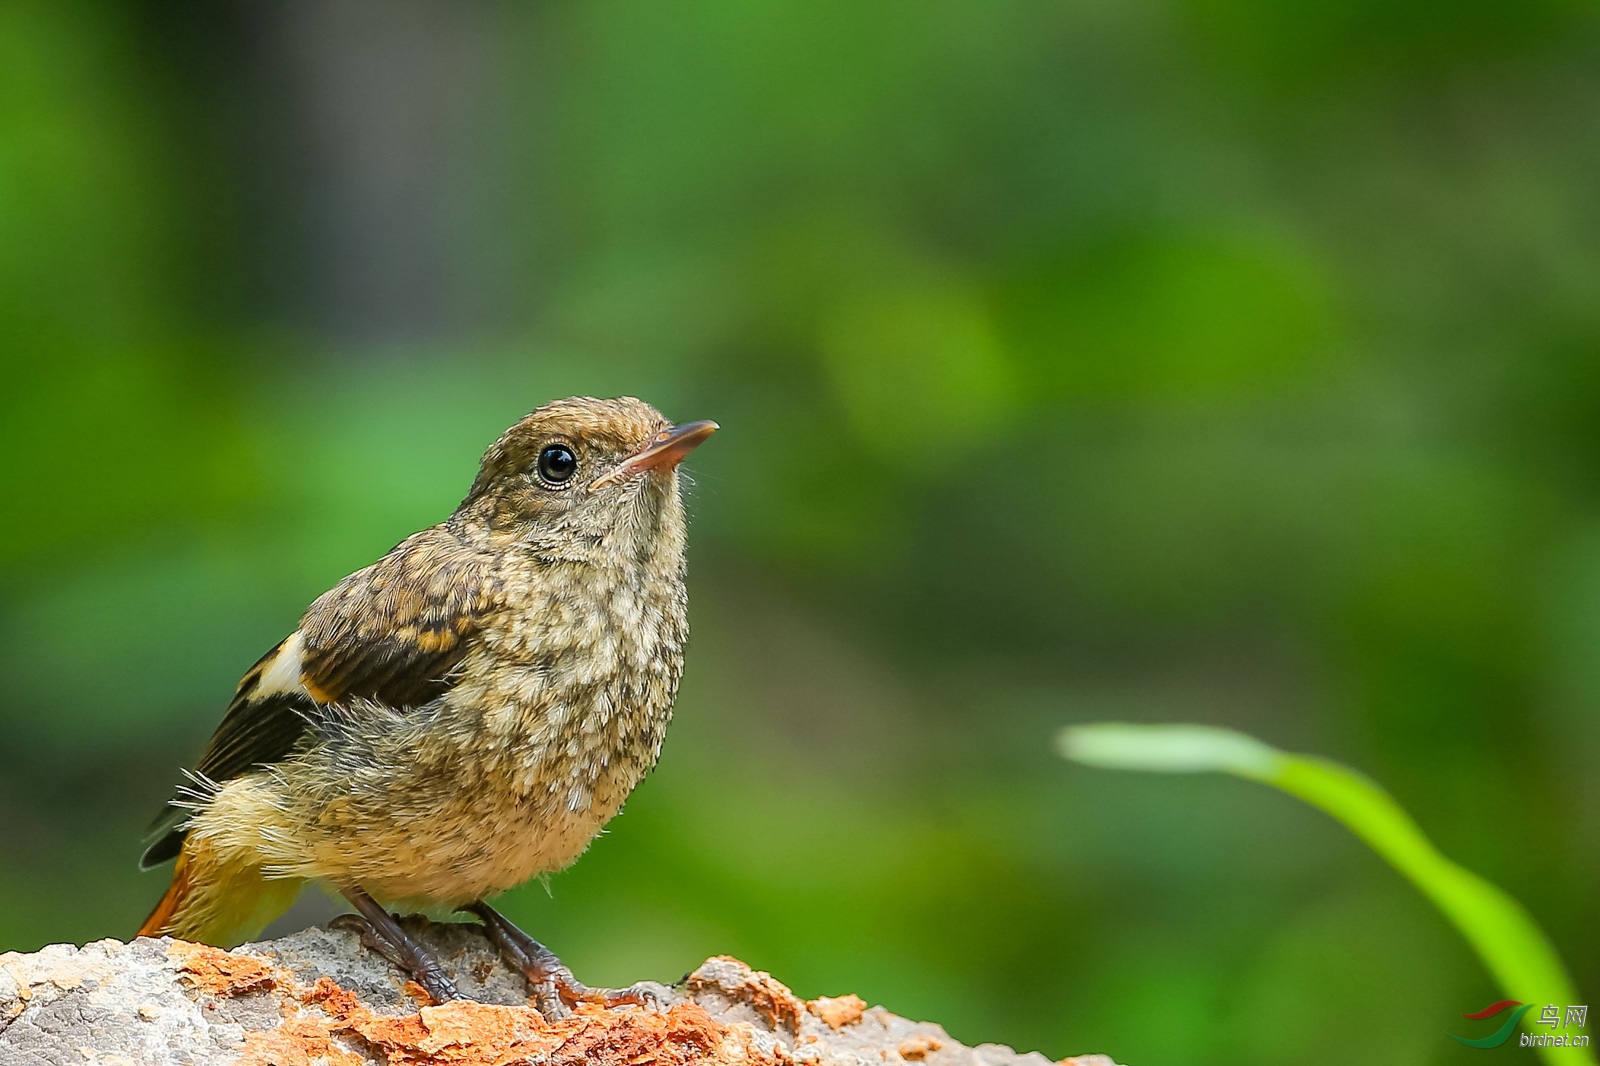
282	675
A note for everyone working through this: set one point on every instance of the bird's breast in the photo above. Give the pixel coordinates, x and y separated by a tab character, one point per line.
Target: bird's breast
571	694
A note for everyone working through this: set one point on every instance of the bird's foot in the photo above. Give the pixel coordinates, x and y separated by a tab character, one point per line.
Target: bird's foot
637	995
381	934
555	990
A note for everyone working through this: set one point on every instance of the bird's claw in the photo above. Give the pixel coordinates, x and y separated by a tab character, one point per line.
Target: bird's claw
555	990
638	995
574	992
402	952
558	992
354	923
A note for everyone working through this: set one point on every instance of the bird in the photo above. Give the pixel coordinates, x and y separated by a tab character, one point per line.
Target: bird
462	715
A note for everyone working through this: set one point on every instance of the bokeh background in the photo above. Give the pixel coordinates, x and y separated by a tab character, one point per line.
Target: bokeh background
1227	361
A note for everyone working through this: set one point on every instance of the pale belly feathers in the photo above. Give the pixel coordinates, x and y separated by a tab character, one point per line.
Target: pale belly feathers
511	776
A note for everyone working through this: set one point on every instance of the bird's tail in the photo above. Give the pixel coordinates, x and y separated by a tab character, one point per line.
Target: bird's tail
161	918
216	900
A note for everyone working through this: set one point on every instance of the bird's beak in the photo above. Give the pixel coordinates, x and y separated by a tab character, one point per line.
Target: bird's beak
665	451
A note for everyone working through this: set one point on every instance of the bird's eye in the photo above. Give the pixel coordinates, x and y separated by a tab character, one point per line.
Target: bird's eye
557	464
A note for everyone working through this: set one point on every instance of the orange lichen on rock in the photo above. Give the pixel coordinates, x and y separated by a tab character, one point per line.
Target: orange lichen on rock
296	1042
838	1011
464	1033
221	973
765	994
325	1024
277	1005
461	1033
684	1034
918	1047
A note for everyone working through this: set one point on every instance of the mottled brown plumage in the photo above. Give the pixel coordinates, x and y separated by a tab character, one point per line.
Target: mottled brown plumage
466	712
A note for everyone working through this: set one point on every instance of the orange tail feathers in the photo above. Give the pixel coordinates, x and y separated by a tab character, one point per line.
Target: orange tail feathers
160	920
221	899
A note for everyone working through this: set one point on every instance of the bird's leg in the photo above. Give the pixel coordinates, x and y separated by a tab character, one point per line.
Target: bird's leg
553	984
395	944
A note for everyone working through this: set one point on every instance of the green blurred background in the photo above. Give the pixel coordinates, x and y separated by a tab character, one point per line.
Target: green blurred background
1229	361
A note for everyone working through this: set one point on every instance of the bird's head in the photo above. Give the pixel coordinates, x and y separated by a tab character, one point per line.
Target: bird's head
583	478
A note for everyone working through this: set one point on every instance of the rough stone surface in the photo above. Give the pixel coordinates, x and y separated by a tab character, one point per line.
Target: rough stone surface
318	998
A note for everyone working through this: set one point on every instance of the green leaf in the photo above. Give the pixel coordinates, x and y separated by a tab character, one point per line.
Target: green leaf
1511	944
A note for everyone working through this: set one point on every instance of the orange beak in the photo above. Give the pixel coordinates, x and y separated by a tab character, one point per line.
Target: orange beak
665	451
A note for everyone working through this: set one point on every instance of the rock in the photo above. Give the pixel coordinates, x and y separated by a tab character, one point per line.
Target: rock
318	998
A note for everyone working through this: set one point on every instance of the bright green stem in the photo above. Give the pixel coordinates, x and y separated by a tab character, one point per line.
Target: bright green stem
1505	936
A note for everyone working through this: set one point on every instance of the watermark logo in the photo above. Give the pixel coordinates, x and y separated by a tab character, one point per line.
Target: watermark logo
1574	1017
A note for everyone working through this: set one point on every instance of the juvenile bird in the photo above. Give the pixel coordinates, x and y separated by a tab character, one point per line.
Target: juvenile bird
463	714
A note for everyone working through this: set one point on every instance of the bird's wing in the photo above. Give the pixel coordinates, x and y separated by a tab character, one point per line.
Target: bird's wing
390	633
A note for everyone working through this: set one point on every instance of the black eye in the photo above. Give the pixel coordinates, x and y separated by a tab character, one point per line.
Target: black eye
557	464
